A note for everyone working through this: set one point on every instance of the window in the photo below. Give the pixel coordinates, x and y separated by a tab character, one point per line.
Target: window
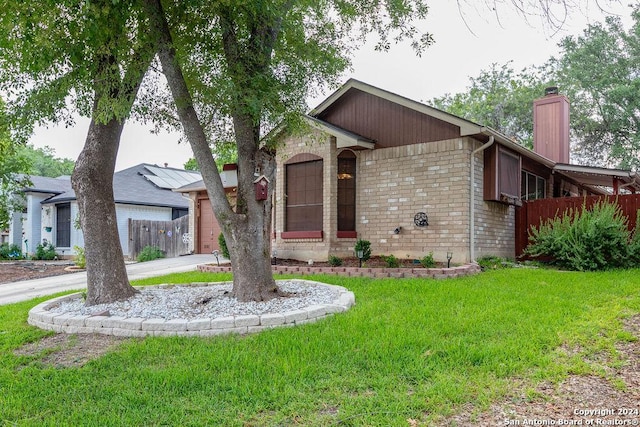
502	169
63	225
533	187
346	194
304	196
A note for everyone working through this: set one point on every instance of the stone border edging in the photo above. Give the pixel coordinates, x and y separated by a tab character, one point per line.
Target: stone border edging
41	317
406	272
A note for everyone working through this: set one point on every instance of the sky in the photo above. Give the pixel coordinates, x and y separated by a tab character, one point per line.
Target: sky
467	40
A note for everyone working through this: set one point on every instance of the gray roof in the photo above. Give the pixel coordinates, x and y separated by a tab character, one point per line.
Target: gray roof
43	184
136	185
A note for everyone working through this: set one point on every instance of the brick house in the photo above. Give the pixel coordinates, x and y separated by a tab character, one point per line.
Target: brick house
398	173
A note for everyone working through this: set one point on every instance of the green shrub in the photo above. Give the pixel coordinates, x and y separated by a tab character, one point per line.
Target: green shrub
584	240
45	251
335	261
223	246
8	251
149	253
492	262
365	247
391	261
634	244
80	260
427	261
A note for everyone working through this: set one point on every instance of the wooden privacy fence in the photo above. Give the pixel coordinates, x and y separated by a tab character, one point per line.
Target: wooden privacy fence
172	237
533	213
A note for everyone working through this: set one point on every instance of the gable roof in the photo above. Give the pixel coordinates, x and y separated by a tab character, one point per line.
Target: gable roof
590	176
143	184
466	127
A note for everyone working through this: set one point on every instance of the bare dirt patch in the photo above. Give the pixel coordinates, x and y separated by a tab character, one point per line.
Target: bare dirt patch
578	400
70	350
15	271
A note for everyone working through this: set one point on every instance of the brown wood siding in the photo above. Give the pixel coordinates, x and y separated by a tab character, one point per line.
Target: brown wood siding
501	173
491	187
535	168
385	122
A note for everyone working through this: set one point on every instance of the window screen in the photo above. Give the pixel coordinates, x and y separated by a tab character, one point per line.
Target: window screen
347	192
509	173
304	196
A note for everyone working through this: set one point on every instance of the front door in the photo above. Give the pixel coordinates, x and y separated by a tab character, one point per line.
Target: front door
208	229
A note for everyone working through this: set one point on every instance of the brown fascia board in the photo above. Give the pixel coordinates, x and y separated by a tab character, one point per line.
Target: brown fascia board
514	146
344	138
466	127
593	175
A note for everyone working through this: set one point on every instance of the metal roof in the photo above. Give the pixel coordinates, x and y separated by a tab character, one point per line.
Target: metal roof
170	178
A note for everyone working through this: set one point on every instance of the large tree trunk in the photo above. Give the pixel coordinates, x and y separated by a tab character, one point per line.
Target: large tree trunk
92	181
249	235
247	231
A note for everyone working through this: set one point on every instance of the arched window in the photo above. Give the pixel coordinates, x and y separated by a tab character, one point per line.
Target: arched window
346	194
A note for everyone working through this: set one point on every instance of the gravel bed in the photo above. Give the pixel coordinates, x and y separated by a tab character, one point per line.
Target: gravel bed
207	301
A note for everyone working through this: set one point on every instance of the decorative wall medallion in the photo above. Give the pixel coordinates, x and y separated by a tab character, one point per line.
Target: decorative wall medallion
421	219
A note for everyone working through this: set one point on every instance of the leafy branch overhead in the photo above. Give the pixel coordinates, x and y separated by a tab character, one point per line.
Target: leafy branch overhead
598	71
252	66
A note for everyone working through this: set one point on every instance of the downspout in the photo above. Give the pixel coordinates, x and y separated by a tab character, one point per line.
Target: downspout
472	208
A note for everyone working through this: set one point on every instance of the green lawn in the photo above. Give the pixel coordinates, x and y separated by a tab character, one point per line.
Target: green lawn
410	348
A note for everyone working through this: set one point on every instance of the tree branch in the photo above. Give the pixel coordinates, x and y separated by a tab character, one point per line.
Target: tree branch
193	128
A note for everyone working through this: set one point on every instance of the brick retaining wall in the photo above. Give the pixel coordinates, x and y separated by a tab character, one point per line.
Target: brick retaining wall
431	273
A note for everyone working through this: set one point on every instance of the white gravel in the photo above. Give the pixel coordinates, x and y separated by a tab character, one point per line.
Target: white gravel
206	301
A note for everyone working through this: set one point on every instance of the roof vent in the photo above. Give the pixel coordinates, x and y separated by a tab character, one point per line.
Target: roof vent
551	90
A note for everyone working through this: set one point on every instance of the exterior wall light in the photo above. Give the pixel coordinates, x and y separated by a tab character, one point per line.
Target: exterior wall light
360	255
397	230
215	254
449	256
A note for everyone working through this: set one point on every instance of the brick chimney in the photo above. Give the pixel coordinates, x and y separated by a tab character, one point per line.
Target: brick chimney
551	126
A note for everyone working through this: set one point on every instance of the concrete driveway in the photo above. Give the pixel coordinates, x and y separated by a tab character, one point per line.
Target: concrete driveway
29	289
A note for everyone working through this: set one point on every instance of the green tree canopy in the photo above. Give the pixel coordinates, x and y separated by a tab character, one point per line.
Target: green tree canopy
600	73
223	153
63	58
500	98
12	164
237	69
44	162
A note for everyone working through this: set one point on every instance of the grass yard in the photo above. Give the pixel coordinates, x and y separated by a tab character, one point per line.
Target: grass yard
409	349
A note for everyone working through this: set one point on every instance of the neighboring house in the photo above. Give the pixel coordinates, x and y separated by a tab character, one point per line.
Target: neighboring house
140	192
202	220
412	179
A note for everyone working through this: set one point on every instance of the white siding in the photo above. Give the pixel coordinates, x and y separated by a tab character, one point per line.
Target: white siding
32	226
126	212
